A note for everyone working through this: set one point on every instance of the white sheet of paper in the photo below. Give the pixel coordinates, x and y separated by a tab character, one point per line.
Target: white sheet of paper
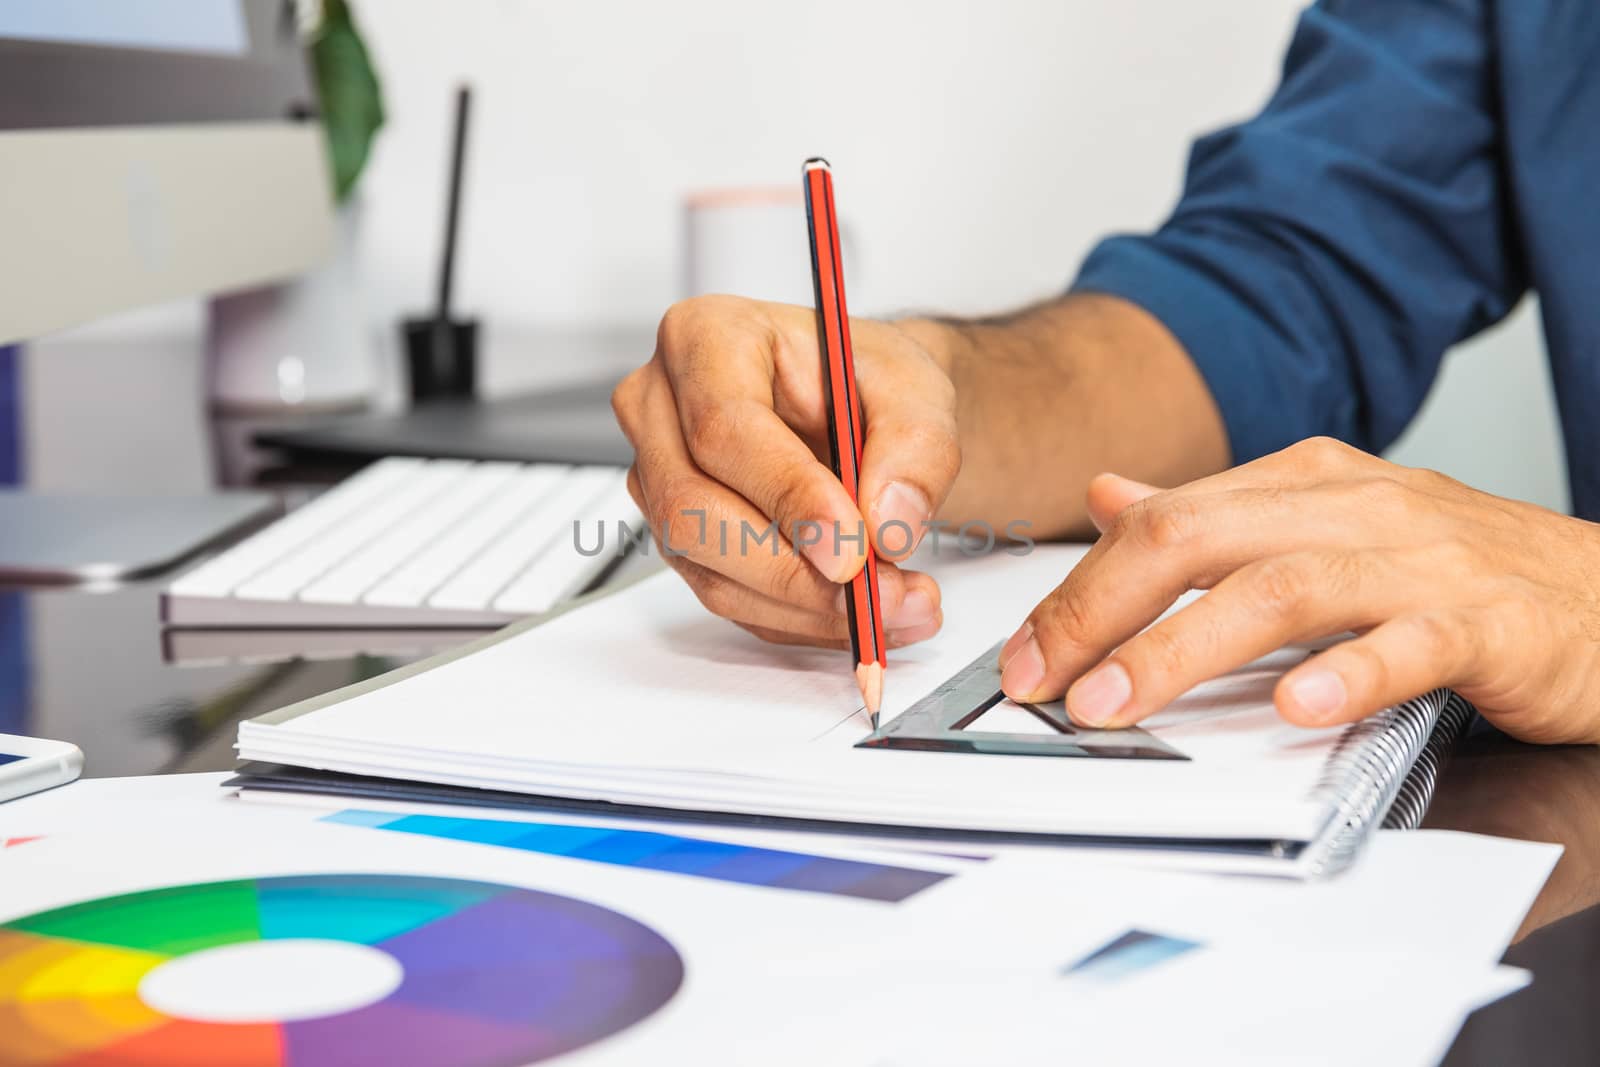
96	803
1436	893
755	958
1206	1007
644	697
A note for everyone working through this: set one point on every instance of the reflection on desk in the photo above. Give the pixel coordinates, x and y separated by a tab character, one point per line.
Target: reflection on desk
1494	785
201	648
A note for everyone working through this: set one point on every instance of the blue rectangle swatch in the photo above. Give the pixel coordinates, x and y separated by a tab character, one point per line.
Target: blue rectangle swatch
1127	955
693	857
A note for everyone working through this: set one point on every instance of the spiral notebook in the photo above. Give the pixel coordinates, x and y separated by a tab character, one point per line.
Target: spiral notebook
639	702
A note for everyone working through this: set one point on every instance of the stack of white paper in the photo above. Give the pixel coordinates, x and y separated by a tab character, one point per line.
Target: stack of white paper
644	698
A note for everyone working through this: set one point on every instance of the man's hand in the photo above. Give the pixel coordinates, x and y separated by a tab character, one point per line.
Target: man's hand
1445	586
730	435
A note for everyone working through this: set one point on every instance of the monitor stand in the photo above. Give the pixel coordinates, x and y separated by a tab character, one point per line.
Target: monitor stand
62	538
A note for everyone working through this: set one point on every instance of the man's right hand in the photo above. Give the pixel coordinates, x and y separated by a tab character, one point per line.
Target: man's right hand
729	427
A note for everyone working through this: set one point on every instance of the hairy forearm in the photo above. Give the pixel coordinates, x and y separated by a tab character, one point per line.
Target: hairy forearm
1055	394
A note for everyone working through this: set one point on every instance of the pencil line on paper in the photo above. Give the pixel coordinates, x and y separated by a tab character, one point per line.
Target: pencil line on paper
862	710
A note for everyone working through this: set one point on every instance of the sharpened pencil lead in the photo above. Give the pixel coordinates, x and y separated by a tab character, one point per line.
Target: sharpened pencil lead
869	677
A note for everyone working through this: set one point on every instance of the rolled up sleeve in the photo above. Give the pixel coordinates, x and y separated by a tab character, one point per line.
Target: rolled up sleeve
1326	253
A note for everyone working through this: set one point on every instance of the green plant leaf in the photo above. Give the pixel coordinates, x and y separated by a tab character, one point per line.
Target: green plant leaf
352	100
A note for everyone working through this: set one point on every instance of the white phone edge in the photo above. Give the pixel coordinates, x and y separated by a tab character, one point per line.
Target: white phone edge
44	765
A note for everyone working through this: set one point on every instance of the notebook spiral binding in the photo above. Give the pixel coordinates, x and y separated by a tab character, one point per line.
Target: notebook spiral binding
1383	770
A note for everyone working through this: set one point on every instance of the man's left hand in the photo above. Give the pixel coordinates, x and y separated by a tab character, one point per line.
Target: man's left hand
1442	584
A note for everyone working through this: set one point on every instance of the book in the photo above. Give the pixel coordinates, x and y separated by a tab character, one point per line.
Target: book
640	701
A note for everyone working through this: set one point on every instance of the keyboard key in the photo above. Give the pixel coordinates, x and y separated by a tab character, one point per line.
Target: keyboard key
423	574
227	571
346	583
561	571
542	526
285	579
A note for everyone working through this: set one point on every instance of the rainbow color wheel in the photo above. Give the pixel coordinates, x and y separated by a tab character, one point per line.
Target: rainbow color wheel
458	972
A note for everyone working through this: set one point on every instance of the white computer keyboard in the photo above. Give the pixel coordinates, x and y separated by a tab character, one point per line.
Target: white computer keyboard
412	542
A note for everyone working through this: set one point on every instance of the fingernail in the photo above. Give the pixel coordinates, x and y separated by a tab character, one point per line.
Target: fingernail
912	635
916	609
1100	694
1024	632
1024	673
897	504
1320	694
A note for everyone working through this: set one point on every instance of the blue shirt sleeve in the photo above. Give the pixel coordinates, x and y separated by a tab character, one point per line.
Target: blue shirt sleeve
1326	252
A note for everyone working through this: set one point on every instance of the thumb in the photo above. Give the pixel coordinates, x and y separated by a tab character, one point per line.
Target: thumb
1109	494
911	454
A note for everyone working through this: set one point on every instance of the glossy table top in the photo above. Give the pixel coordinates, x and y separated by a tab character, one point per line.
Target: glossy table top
96	669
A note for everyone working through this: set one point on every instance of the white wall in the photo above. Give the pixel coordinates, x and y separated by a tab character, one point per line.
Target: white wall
980	150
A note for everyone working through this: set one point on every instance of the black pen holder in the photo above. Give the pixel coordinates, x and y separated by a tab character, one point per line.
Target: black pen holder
442	358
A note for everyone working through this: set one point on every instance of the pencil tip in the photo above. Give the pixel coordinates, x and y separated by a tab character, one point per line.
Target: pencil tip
869	676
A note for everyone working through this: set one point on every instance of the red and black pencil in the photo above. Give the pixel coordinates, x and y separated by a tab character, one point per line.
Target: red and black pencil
844	422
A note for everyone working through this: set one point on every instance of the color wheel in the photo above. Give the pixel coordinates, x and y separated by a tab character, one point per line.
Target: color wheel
482	974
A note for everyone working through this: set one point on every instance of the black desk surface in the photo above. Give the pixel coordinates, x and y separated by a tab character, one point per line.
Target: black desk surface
93	668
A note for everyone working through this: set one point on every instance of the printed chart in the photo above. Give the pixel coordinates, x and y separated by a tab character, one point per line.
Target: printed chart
693	857
329	969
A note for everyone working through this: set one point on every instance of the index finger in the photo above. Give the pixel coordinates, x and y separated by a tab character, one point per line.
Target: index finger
1157	550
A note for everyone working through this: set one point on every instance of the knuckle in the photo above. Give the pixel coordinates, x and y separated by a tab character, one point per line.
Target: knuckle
1435	635
1372	672
714	592
793	499
935	446
677	322
1065	619
1282	585
708	324
770	636
713	431
1387	495
755	631
1122	525
675	515
1164	651
791	582
626	399
1428	479
1318	454
1341	573
1166	524
1455	556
